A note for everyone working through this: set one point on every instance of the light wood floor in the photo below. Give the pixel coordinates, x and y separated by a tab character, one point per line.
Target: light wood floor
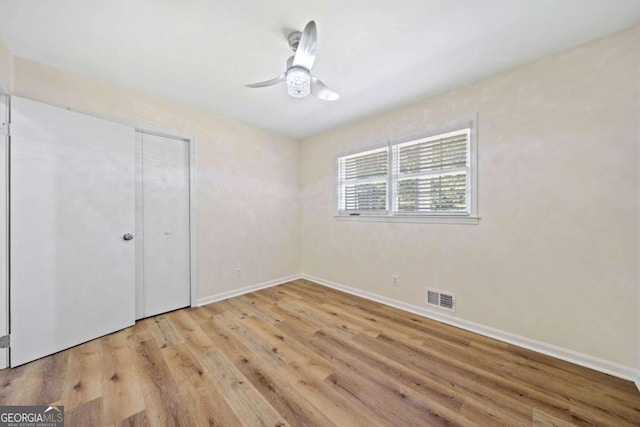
301	354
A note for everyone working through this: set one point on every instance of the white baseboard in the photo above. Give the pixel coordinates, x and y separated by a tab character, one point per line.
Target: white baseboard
608	367
246	290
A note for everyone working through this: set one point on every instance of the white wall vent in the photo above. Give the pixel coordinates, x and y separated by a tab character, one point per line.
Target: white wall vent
440	299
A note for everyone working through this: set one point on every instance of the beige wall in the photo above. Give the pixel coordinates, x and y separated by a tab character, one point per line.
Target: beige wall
555	256
247	178
6	68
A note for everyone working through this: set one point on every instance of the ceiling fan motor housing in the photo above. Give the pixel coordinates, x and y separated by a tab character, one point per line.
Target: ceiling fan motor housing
294	40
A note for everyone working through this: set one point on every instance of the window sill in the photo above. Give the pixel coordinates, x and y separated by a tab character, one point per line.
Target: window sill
444	219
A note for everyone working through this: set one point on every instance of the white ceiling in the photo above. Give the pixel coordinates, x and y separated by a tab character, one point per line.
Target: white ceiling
378	54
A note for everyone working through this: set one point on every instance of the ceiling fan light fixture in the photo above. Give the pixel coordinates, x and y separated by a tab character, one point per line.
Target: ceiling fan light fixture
298	82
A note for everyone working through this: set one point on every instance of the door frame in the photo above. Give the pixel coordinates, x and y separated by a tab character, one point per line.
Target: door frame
193	243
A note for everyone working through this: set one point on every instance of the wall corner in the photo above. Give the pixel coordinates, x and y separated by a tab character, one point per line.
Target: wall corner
6	68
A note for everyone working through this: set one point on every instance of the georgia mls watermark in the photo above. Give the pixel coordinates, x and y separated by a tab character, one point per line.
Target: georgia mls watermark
32	416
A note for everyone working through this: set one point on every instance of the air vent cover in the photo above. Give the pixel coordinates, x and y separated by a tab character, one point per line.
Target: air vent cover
440	299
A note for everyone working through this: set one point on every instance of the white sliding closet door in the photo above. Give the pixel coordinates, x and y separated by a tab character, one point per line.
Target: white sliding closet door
72	201
163	281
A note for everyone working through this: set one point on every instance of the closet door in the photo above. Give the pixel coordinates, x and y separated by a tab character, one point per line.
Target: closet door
4	203
71	205
163	223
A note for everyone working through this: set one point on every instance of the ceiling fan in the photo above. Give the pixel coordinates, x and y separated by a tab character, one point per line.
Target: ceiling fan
298	76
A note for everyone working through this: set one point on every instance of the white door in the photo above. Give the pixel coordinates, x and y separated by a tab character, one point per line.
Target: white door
72	201
4	302
163	279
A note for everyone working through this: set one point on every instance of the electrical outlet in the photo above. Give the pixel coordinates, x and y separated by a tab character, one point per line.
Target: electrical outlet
238	272
395	280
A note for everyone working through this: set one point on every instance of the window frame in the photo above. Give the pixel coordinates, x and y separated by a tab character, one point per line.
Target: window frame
391	215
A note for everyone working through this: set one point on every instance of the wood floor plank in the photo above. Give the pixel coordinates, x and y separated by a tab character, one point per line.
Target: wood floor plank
136	420
281	395
325	398
540	419
84	375
54	374
258	306
122	396
245	400
301	354
21	385
88	414
321	320
184	325
163	331
159	388
252	341
182	362
211	407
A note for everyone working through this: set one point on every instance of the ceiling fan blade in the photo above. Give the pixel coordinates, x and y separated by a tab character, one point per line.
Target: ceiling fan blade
321	90
306	51
281	78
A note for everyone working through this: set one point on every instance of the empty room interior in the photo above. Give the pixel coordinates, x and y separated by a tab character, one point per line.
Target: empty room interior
296	213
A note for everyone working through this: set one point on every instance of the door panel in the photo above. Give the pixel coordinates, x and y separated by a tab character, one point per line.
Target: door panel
4	302
72	200
165	223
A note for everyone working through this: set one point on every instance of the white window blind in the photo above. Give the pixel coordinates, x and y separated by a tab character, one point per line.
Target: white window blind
428	177
363	182
431	175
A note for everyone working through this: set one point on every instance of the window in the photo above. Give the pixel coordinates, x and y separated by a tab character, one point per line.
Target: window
424	178
431	174
363	181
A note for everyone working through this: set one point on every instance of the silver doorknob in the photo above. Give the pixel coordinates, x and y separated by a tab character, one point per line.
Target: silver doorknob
128	236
